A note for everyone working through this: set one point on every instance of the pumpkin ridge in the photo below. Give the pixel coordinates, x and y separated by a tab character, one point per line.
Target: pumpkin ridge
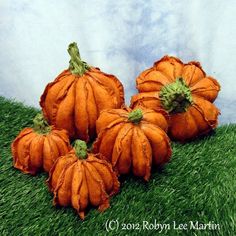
202	113
99	83
108	91
49	179
41	149
193	117
86	110
57	139
116	183
48	86
113	112
197	64
114	123
195	67
49	115
119	152
75	188
59	99
28	157
174	71
152	80
192	76
141	78
168	59
156	126
95	102
117	82
17	162
52	147
60	182
103	195
88	163
165	117
82	208
165	138
60	134
167	76
97	143
148	160
16	140
79	127
57	102
123	115
65	186
196	91
198	88
114	162
44	148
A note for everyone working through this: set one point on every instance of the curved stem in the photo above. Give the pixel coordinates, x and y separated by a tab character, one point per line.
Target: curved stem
176	97
80	149
77	66
41	126
135	116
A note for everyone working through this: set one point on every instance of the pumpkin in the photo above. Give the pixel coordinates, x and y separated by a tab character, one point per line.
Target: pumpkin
37	148
184	91
81	179
75	98
132	140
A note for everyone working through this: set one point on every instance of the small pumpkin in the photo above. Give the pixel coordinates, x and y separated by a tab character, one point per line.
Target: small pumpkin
75	98
81	179
184	91
37	148
132	140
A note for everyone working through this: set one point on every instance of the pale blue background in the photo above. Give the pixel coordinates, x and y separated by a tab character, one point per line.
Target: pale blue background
120	37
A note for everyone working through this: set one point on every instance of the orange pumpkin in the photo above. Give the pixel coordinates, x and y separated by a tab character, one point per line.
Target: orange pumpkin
75	98
81	179
37	148
132	140
184	91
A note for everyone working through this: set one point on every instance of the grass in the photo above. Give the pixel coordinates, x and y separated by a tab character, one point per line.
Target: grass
199	184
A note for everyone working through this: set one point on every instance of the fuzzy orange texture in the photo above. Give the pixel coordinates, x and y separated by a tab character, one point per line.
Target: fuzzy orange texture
201	116
129	146
73	102
33	152
82	182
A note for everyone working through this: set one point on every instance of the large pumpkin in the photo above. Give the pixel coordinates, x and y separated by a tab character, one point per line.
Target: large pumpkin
132	140
75	98
37	148
81	179
184	91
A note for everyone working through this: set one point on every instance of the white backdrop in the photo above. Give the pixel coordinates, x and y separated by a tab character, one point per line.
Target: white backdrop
121	37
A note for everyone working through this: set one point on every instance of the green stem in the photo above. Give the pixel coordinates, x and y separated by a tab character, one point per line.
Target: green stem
41	126
176	97
77	66
80	149
135	116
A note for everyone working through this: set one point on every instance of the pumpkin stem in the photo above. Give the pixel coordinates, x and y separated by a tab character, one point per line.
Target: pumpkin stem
135	116
176	97
80	149
77	66
41	126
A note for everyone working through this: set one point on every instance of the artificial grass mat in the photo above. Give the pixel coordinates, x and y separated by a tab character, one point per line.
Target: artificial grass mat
199	184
